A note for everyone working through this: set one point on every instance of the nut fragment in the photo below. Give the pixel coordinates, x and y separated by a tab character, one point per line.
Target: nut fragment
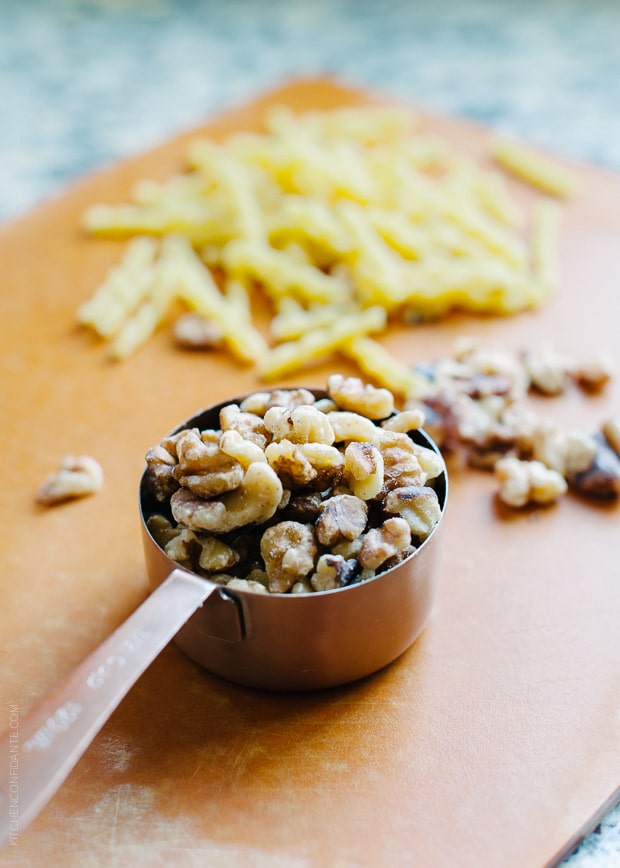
611	431
342	517
349	426
382	543
333	571
242	450
255	500
303	507
601	477
363	470
522	482
290	464
246	585
183	547
406	420
76	477
289	551
327	462
215	556
260	402
204	468
567	452
250	427
161	529
418	505
547	370
594	374
350	393
304	424
196	332
401	465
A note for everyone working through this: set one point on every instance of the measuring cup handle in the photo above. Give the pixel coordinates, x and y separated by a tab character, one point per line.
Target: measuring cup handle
40	748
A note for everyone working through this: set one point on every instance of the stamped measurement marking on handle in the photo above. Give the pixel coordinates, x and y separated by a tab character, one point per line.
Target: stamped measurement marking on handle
64	716
100	675
59	721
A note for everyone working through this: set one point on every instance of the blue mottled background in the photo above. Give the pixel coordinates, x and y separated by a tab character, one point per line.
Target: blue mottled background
85	82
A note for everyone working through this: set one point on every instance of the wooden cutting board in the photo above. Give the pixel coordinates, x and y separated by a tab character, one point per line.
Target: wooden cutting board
495	740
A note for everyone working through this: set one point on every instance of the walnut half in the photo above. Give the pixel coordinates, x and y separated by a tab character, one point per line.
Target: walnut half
77	476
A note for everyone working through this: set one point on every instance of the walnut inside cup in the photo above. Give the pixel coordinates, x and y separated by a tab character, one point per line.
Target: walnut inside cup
296	494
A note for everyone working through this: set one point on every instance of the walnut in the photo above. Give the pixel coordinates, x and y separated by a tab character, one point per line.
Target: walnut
257	403
76	477
401	465
580	450
303	507
160	455
169	445
250	426
547	370
521	423
215	555
244	451
406	420
548	446
159	481
204	468
303	586
350	393
431	462
255	500
382	543
258	575
304	424
349	426
601	477
290	464
161	529
342	517
418	505
440	420
210	435
196	332
363	470
567	452
290	398
348	548
325	405
333	571
473	421
611	432
398	558
289	551
494	370
594	374
327	462
235	584
260	402
183	547
522	482
192	451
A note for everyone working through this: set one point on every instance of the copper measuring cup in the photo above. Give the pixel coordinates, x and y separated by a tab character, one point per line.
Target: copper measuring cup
272	641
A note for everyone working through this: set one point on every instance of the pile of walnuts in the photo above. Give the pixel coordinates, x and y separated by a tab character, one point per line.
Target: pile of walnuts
294	494
476	405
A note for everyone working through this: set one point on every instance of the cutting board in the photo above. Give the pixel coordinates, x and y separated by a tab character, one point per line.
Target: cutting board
493	741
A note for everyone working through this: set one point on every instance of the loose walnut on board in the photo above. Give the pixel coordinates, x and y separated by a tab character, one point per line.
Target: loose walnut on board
77	476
